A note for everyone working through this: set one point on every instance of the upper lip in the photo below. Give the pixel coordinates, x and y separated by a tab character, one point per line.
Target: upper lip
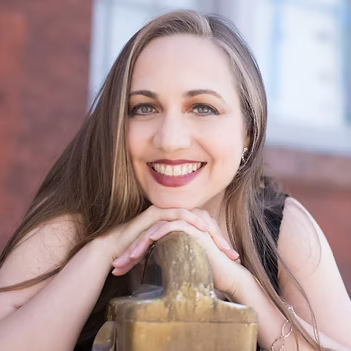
174	162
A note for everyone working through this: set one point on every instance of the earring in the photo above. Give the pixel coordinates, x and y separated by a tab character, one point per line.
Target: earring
243	154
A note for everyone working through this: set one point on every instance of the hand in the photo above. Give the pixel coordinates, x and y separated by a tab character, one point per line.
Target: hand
220	254
119	242
227	274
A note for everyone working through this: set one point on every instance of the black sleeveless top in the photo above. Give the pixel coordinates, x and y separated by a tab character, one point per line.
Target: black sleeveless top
273	219
119	286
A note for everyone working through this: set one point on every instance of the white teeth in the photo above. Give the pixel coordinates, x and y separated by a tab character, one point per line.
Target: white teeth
178	170
168	170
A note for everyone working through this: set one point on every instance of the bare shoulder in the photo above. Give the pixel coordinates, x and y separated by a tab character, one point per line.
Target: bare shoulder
301	241
40	251
304	248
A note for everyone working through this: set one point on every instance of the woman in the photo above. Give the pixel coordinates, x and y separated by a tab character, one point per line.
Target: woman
174	142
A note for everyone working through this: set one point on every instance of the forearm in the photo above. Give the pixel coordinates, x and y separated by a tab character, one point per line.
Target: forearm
271	320
53	319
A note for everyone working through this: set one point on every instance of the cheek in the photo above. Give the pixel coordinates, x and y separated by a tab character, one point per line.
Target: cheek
134	141
226	150
228	146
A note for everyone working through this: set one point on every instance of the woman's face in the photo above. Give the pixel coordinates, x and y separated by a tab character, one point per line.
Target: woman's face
184	113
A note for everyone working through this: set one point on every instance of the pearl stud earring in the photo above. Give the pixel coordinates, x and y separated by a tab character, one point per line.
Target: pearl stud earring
243	154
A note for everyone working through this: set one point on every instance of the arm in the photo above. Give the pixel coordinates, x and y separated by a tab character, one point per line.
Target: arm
270	320
56	304
52	314
305	250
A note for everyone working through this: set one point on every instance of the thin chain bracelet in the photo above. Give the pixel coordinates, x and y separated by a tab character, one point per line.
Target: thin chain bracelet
283	335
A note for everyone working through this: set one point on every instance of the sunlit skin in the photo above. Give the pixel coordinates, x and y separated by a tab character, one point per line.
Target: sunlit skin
184	105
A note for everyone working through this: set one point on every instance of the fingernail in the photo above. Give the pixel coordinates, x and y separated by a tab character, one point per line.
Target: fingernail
114	271
134	251
233	254
155	236
226	245
120	261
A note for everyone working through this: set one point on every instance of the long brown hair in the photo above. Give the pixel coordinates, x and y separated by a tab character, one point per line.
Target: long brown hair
94	178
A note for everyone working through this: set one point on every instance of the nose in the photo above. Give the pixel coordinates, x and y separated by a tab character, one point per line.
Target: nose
173	133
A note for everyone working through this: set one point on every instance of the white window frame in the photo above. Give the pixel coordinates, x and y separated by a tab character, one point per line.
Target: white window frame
101	55
279	134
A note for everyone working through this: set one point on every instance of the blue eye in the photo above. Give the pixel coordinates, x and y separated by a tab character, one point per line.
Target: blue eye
204	110
142	109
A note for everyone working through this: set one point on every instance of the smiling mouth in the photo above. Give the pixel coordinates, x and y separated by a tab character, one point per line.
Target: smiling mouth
177	170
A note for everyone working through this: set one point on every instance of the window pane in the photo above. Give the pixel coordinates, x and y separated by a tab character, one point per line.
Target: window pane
180	3
309	84
116	21
303	50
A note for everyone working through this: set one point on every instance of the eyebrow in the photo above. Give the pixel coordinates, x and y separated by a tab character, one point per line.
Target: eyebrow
146	93
190	93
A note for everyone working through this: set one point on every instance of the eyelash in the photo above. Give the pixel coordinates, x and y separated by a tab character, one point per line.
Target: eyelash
212	110
135	108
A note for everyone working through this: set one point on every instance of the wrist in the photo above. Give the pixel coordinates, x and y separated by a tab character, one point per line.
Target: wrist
251	293
100	249
237	288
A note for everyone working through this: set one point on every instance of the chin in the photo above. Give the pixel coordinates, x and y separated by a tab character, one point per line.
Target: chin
189	205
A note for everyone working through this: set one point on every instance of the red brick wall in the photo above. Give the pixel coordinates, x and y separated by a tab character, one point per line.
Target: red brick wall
322	183
12	30
44	68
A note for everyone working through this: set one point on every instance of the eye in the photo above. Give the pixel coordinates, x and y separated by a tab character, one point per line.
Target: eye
142	109
204	110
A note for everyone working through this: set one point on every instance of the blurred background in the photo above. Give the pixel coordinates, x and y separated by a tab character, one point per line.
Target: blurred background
54	56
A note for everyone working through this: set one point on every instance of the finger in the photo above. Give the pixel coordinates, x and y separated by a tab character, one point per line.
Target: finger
168	227
123	270
125	258
237	260
214	230
143	245
122	261
181	226
216	234
138	248
202	237
144	221
153	215
232	254
144	242
129	262
163	228
154	228
194	232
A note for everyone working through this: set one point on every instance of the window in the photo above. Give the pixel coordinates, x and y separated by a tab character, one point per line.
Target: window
303	48
114	23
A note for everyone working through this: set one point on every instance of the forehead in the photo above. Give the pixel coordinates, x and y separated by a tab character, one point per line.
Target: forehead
184	62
